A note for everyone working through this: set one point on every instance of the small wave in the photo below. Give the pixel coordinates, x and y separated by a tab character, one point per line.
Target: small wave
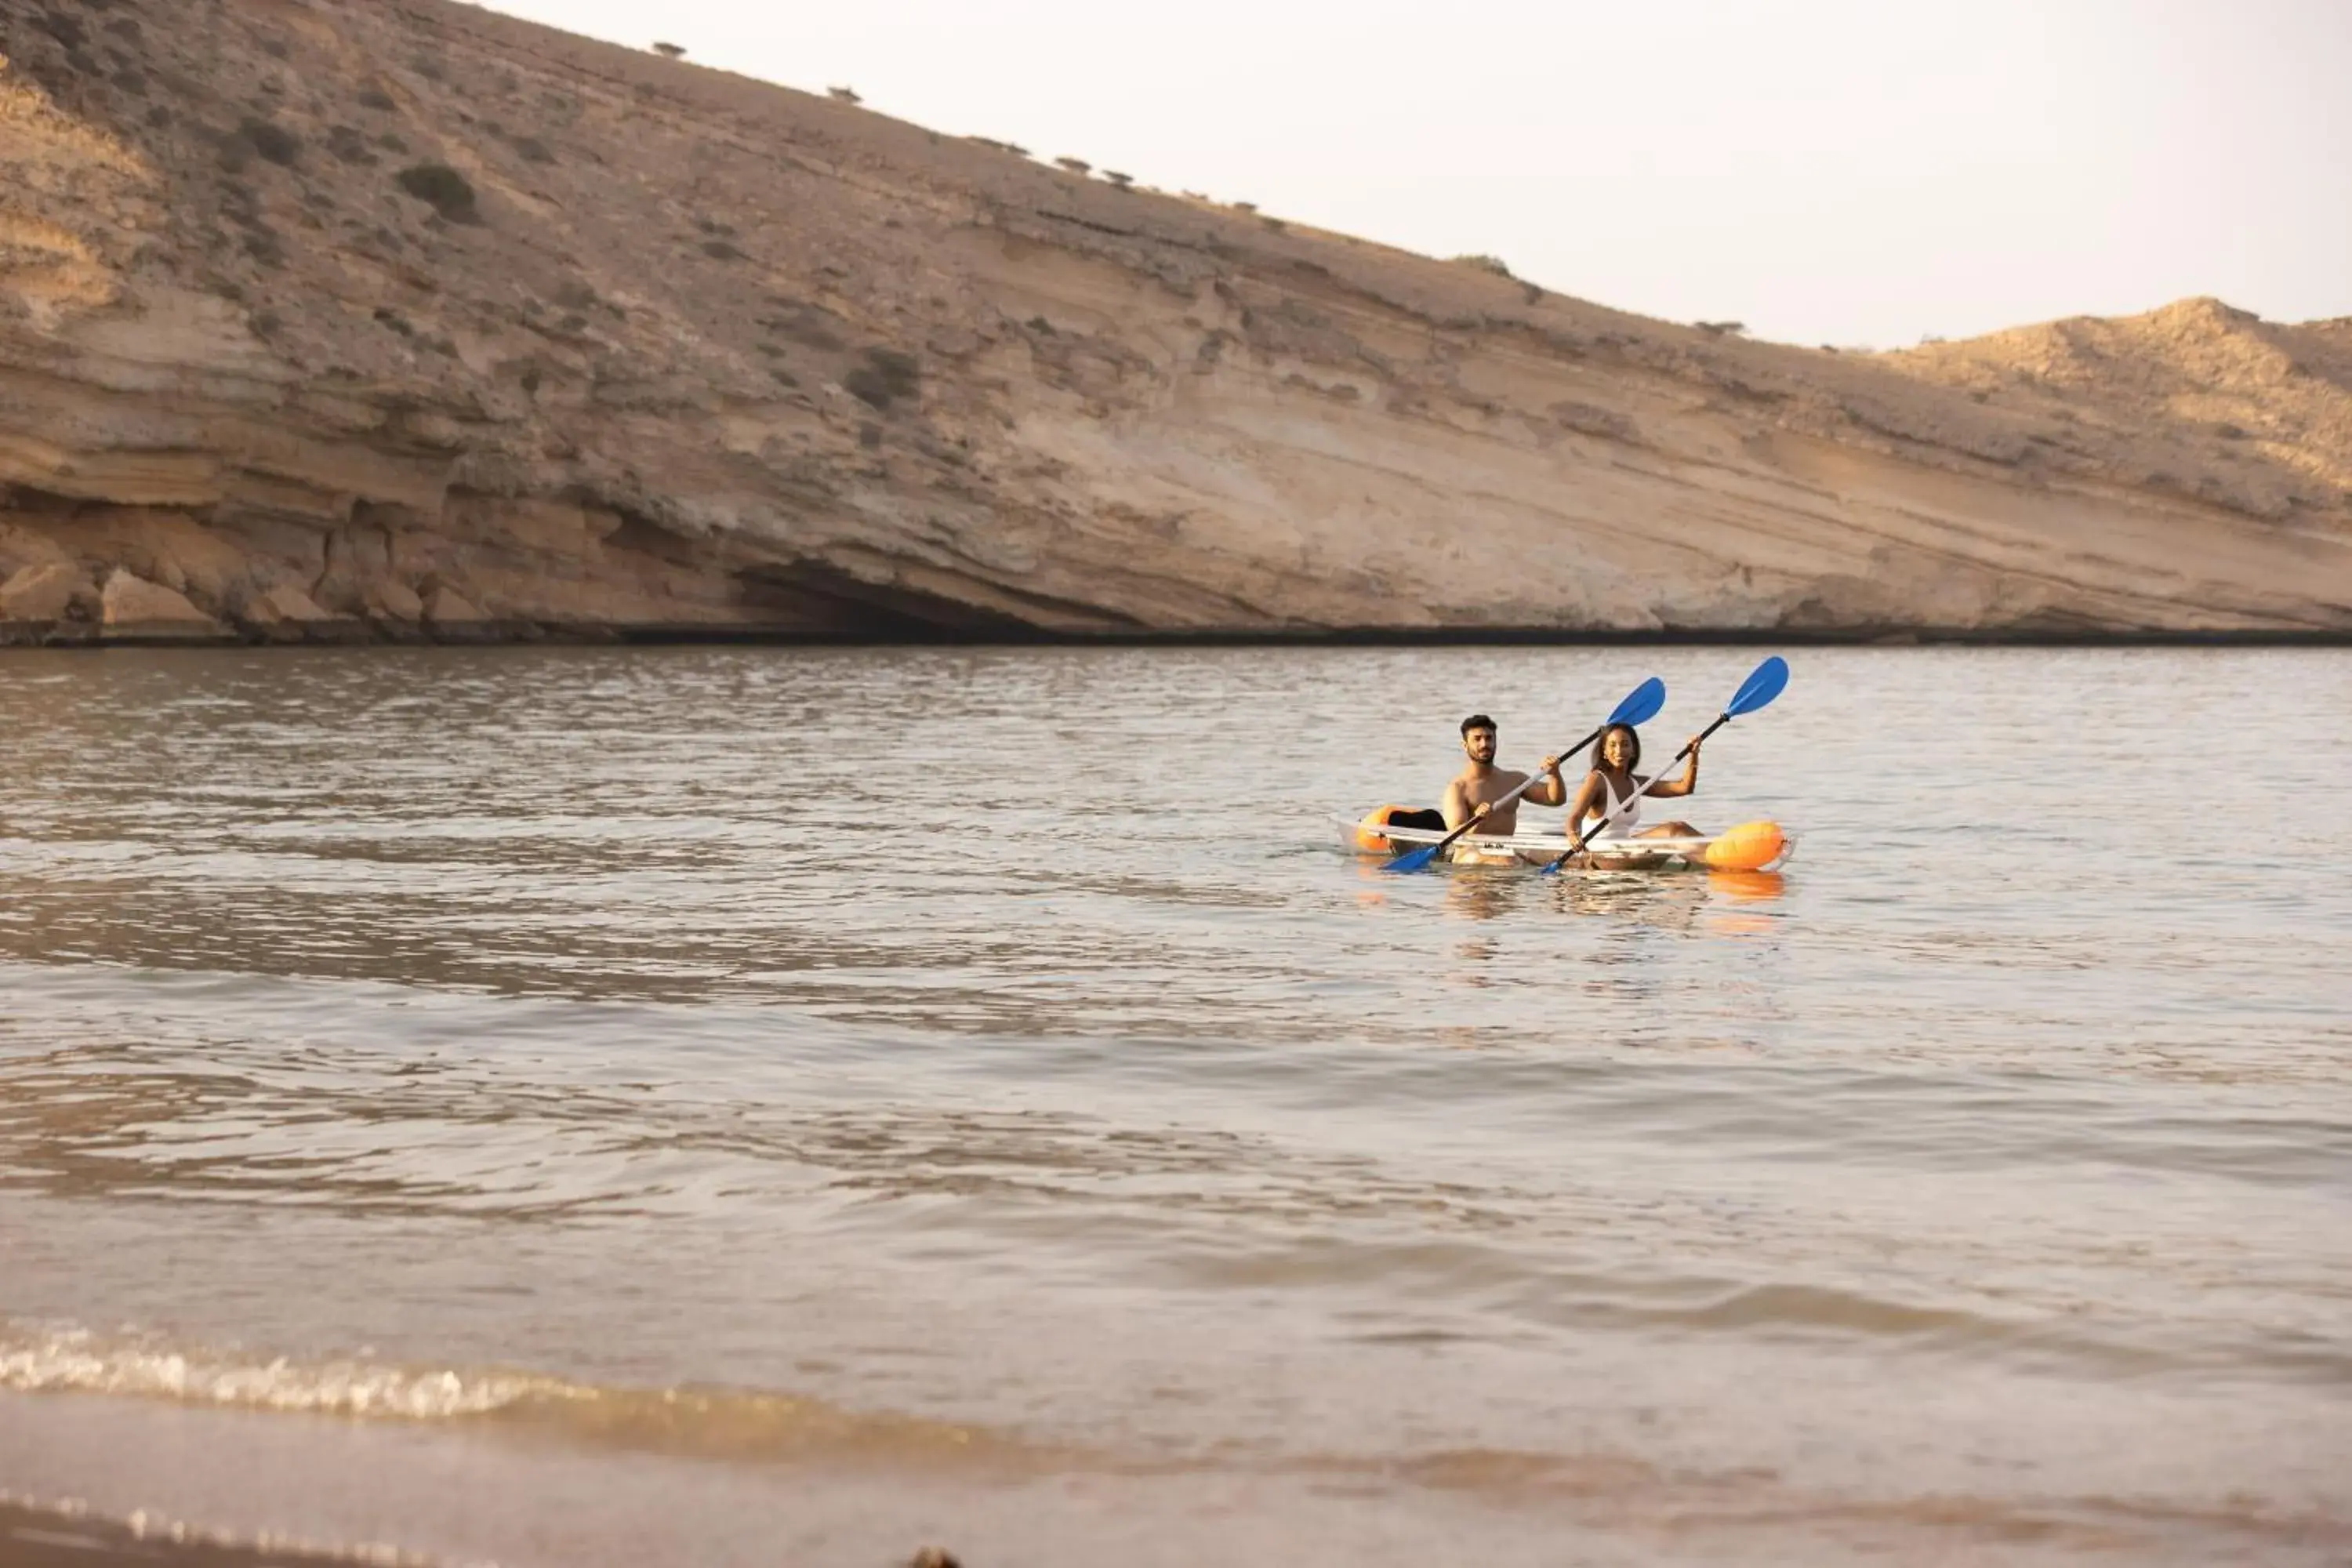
77	1361
688	1422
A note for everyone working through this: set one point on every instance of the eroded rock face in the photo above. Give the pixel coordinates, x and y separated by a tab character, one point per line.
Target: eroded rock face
48	592
131	609
405	320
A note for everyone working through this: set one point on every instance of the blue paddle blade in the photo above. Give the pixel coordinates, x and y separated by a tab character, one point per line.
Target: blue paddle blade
1640	704
1412	859
1770	677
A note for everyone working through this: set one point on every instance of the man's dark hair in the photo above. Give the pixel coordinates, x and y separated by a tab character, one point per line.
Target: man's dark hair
1477	721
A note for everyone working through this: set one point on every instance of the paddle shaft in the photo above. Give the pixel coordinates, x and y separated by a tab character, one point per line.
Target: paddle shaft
1688	747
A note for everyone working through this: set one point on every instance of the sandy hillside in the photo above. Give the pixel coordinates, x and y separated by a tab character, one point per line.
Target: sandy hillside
343	320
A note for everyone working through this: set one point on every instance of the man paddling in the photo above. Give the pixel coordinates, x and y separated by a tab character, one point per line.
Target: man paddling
1480	788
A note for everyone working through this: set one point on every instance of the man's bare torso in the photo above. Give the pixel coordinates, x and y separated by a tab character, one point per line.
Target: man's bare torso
1476	786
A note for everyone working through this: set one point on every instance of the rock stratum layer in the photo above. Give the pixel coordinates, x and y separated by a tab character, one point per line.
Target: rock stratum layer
328	319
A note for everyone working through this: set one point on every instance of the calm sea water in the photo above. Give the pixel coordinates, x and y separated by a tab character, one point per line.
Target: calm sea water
764	1106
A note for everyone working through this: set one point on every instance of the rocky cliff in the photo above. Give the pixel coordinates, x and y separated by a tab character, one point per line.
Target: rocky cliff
364	319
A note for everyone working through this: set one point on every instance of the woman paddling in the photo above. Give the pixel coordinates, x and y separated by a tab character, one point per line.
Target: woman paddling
1612	793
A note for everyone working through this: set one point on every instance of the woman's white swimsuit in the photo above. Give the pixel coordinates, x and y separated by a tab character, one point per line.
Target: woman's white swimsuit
1621	818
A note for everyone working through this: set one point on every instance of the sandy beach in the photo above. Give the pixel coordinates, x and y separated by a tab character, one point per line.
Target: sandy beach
62	1536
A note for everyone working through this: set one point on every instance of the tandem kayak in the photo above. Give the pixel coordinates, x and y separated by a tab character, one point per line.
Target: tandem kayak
1760	845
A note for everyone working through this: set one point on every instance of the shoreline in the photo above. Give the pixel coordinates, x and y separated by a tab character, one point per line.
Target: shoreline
1355	637
67	1535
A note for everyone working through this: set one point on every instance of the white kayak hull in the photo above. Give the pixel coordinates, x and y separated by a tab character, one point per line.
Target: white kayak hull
1524	848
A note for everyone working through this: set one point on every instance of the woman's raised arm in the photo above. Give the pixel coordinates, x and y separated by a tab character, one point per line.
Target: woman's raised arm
1674	789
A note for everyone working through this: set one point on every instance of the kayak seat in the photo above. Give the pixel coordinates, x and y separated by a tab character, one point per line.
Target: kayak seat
1370	838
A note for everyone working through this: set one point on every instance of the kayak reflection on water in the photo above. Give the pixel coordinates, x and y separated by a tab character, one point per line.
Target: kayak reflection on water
1747	887
1482	893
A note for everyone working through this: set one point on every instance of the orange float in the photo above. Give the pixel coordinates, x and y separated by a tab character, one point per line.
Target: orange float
1750	846
1372	841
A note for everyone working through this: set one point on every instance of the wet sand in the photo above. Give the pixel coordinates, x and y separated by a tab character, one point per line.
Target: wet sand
67	1538
70	1537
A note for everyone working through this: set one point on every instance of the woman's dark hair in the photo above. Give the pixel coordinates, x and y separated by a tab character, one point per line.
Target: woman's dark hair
1601	746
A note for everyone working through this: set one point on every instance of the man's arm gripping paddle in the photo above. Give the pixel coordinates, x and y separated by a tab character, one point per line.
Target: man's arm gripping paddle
1641	706
1768	682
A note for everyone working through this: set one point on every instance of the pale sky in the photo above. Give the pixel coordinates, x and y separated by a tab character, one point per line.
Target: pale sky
1849	171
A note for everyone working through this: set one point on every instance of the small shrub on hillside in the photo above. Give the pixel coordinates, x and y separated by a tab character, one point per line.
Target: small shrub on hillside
885	377
1493	264
846	94
274	143
347	144
670	51
378	100
719	251
1074	165
1116	178
443	189
533	150
1721	329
